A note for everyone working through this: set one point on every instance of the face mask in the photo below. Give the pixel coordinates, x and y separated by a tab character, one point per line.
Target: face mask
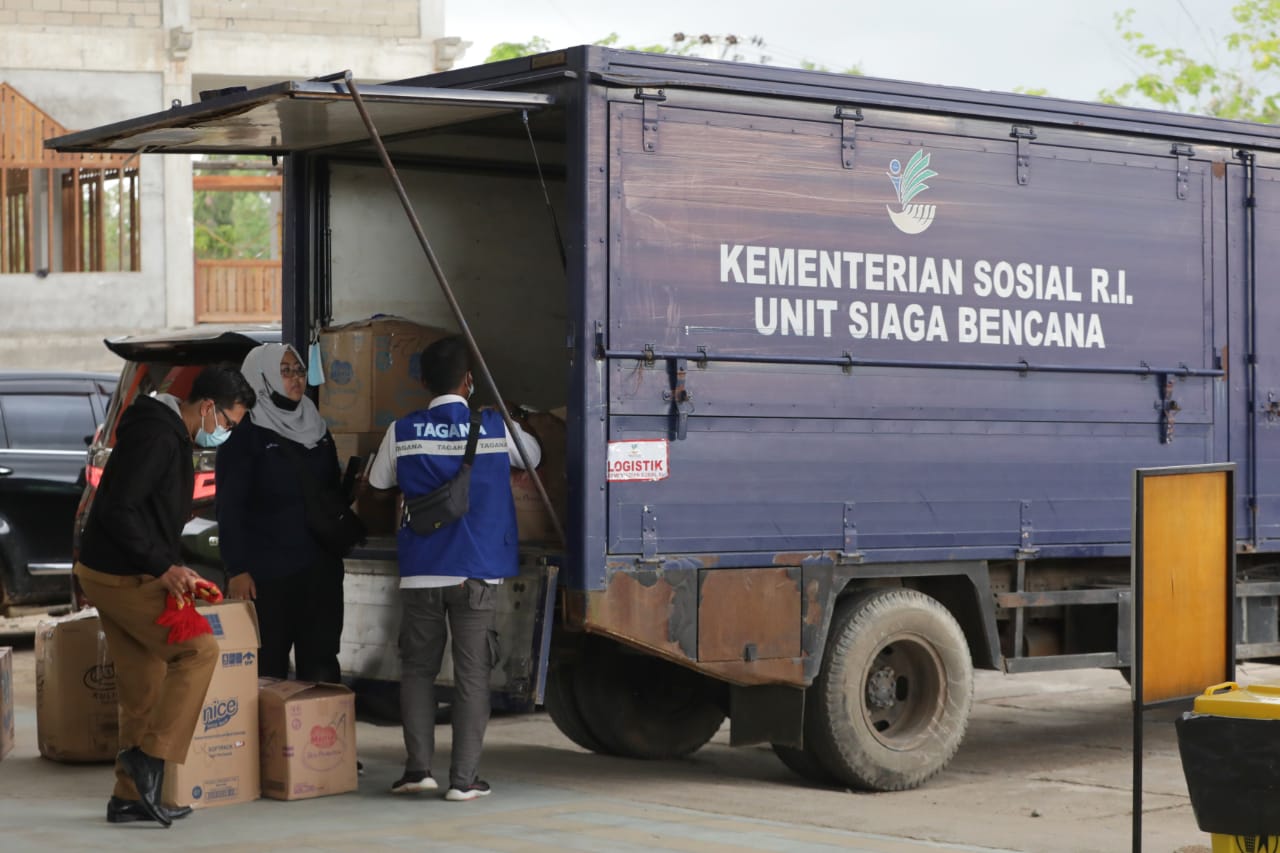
280	400
212	439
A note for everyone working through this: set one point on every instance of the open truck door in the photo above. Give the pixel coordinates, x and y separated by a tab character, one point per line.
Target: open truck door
324	116
294	116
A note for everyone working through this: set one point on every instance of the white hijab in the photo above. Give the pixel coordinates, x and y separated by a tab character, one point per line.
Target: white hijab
261	369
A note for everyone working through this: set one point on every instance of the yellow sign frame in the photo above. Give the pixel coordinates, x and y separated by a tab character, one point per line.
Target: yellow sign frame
1183	576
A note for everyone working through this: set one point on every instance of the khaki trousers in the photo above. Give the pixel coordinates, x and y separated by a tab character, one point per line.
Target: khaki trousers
161	687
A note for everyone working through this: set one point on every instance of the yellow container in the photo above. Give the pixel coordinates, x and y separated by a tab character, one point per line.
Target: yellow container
1256	702
1245	843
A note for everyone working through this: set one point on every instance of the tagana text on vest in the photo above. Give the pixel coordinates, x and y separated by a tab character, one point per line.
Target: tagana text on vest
429	445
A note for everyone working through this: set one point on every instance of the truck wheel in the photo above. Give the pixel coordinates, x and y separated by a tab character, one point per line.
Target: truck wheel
804	764
562	707
644	707
892	700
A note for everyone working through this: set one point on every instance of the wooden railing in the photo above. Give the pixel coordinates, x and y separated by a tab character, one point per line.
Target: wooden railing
237	291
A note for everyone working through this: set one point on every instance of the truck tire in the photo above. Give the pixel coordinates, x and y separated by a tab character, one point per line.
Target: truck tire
640	706
805	765
562	707
892	700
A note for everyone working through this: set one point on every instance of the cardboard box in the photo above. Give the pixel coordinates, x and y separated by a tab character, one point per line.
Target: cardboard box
532	520
362	444
77	718
372	372
308	739
379	515
6	701
222	763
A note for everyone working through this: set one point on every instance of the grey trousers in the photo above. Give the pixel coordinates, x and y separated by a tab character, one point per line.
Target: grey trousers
468	609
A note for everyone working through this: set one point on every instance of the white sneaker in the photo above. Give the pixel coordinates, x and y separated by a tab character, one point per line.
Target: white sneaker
473	791
414	783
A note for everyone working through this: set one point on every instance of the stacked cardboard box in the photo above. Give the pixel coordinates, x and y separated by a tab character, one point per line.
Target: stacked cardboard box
222	763
76	713
6	701
373	372
373	375
532	518
308	736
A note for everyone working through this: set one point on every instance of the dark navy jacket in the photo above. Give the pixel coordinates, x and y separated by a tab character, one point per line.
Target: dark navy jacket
262	526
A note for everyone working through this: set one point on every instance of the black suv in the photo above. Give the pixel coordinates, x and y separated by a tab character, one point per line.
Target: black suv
47	421
168	363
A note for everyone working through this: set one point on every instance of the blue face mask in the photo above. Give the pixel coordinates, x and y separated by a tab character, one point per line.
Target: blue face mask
212	439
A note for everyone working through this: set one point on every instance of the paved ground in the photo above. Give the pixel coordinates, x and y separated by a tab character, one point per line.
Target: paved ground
1045	768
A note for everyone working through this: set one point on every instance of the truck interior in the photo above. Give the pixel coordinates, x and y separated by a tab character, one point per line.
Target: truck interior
478	188
485	173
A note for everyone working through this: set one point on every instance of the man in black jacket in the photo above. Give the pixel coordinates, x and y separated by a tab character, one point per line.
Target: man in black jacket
130	558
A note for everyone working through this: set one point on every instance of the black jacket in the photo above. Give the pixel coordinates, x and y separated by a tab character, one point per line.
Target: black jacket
144	499
262	521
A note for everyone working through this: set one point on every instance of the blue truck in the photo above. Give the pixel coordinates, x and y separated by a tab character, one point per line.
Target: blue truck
856	371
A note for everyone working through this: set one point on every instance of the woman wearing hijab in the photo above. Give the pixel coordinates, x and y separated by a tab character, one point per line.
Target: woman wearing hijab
269	553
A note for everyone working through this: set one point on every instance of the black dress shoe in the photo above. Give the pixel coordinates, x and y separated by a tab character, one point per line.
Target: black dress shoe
147	773
128	811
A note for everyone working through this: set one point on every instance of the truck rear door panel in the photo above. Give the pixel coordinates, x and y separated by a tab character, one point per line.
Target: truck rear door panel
931	448
1266	417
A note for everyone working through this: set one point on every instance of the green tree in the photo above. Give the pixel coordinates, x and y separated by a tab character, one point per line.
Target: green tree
515	49
728	46
1245	86
233	224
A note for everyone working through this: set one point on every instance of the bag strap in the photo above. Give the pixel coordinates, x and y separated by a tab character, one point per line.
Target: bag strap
473	438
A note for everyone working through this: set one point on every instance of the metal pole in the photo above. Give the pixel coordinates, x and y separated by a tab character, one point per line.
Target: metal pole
1251	339
476	356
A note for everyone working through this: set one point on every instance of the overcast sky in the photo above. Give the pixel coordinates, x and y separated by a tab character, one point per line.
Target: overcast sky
1069	47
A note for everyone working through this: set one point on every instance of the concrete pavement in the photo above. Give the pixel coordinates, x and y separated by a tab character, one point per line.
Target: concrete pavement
1045	768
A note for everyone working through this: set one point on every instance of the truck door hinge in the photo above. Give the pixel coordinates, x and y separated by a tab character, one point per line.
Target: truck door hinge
649	536
849	118
649	99
679	397
850	552
1184	153
1026	533
1166	406
1023	134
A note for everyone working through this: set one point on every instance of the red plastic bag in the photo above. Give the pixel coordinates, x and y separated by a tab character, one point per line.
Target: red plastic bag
181	617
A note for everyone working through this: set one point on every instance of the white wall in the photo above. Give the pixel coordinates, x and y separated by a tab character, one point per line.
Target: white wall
113	60
59	320
493	237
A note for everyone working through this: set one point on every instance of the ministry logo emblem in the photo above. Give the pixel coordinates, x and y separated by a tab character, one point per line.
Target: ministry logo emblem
909	183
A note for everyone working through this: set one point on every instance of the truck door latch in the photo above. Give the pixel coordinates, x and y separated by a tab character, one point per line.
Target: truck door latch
649	100
679	397
1184	153
1166	406
1022	135
1272	411
849	118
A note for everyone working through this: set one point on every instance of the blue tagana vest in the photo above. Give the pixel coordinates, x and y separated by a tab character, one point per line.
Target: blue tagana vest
428	451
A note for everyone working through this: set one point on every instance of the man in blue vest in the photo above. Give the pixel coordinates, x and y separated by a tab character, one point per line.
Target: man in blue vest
449	576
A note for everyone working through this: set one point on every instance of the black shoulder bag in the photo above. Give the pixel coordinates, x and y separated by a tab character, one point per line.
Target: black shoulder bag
330	519
445	504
